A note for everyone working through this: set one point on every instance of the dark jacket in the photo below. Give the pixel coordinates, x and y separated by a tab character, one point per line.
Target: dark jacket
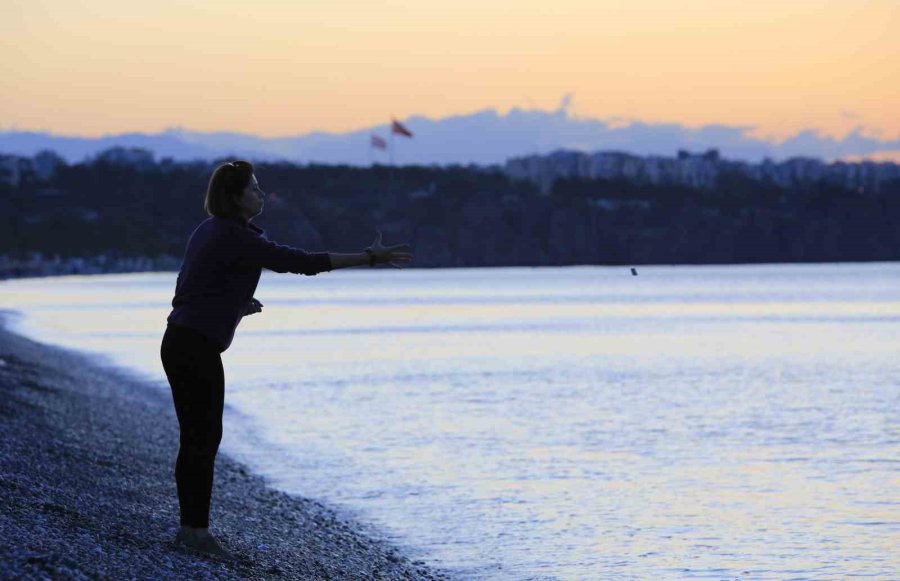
221	268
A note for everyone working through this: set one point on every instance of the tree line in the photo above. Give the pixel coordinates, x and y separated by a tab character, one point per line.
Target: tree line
453	215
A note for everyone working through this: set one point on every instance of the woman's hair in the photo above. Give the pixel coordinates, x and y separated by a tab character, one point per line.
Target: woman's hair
225	187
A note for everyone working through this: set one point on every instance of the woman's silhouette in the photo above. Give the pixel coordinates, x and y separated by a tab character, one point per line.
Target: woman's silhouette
222	265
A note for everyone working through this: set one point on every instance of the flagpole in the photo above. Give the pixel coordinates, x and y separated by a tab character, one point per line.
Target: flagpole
391	167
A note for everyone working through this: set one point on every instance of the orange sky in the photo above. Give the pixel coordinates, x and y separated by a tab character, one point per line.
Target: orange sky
278	68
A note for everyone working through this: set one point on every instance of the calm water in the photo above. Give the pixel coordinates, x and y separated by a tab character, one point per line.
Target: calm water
558	423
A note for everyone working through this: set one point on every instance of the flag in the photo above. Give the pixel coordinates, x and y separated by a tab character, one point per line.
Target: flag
399	129
378	142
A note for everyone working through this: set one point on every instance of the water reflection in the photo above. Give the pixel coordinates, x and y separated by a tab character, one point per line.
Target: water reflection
571	423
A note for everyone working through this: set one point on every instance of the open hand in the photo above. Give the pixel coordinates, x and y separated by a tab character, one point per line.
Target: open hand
254	307
390	254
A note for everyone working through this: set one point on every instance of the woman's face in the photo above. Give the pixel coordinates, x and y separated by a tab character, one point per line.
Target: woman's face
252	199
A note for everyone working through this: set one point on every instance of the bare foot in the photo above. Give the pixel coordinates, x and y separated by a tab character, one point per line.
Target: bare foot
203	543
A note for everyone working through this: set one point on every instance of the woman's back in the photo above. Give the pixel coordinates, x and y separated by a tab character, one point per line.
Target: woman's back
222	265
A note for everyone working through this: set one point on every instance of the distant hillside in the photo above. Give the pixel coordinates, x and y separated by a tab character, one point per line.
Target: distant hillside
483	137
126	204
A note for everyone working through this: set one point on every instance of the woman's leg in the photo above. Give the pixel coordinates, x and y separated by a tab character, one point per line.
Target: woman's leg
197	379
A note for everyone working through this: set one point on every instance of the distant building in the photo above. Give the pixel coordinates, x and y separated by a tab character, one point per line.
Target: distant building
699	171
12	169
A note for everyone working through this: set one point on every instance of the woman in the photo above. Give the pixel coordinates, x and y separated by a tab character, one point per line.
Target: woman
222	265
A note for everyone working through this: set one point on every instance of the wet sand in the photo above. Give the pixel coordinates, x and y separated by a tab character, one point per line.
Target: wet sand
88	489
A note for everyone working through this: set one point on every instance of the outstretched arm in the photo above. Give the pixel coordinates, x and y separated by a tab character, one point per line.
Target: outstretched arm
395	255
247	248
343	260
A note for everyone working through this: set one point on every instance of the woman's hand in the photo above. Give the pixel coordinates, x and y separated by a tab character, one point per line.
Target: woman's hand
254	307
389	254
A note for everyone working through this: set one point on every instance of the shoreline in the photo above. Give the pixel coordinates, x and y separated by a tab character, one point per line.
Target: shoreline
88	488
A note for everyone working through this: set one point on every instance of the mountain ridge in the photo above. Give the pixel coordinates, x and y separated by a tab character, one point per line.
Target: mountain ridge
483	137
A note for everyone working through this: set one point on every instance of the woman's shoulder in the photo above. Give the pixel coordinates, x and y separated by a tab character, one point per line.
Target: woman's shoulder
232	223
213	229
230	231
221	226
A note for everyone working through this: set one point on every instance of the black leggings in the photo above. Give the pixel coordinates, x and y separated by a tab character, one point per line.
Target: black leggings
193	365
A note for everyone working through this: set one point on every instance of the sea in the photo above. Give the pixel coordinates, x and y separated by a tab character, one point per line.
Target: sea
581	422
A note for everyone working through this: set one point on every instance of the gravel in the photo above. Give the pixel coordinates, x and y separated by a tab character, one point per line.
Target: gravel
88	489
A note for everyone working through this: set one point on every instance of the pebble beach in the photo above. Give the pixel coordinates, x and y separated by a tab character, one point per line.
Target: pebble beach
88	491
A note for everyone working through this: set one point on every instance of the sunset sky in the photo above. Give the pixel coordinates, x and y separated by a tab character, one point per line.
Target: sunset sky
278	68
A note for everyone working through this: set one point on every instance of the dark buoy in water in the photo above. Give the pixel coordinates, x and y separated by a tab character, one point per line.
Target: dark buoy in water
633	272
